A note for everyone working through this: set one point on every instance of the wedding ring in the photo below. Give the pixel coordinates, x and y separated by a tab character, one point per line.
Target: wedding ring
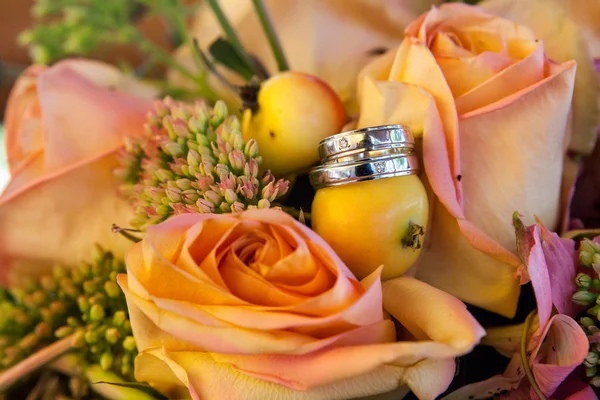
334	174
398	137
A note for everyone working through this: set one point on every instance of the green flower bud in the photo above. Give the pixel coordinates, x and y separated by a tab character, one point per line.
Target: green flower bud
97	313
57	307
589	246
584	298
48	284
43	330
586	321
595	381
90	287
112	335
90	337
129	343
29	341
119	318
63	332
596	259
586	258
79	339
127	326
591	359
583	280
125	369
591	371
594	311
83	304
219	114
112	289
106	361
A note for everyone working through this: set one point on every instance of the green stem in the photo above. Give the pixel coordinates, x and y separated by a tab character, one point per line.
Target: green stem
175	16
267	25
524	358
230	33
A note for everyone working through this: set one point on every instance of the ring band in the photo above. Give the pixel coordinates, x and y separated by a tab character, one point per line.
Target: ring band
363	170
373	138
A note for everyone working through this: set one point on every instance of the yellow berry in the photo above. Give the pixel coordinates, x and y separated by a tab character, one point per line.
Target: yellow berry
295	112
368	223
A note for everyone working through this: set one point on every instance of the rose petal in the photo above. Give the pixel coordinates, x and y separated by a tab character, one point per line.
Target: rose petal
62	219
429	313
199	373
558	23
566	347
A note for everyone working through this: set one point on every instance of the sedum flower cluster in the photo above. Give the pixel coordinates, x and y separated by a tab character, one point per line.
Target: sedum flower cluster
193	159
588	295
85	302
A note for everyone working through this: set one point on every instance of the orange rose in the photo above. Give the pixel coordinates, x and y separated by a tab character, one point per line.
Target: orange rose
64	125
493	113
257	306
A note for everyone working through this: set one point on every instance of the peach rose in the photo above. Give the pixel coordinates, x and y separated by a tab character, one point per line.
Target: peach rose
569	29
493	111
256	306
64	125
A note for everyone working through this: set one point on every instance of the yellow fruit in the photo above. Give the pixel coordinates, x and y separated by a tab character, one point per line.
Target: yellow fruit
295	112
369	224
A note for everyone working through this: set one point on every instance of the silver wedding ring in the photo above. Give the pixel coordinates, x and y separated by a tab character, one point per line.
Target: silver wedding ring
365	154
385	137
363	170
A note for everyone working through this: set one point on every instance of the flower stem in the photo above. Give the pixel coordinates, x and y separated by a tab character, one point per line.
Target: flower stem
267	25
524	357
230	33
34	362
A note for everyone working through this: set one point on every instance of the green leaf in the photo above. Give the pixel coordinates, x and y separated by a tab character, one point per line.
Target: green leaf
226	54
142	387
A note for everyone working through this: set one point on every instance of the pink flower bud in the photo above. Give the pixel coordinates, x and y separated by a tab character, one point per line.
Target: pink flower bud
160	109
183	184
222	169
237	207
237	141
251	149
213	197
251	169
167	123
181	129
225	207
190	196
269	192
204	182
237	159
264	203
230	196
204	206
268	178
248	190
282	187
173	194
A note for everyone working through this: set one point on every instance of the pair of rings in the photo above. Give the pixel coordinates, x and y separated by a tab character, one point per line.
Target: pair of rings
365	154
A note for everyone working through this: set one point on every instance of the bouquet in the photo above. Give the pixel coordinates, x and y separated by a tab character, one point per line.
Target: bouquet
304	200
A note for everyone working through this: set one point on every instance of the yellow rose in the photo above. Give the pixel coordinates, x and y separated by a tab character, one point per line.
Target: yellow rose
64	125
257	306
493	113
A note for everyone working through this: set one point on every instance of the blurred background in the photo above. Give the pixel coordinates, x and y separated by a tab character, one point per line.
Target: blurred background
15	17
